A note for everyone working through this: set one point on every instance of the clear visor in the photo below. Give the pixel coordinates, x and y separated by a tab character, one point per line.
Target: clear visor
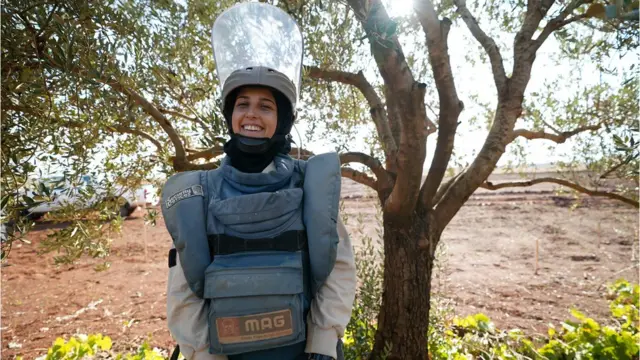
257	34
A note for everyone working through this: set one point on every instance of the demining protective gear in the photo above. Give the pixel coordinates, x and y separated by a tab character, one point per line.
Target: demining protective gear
262	268
259	45
263	257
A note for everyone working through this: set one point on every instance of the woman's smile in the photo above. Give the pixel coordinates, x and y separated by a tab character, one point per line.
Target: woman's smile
252	130
255	113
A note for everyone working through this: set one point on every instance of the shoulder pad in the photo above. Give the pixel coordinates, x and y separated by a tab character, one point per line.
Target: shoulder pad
322	184
183	204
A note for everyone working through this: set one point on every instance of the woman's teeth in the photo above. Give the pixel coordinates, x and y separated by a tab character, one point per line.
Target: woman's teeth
252	127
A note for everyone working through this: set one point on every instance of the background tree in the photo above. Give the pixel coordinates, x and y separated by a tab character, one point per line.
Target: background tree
128	88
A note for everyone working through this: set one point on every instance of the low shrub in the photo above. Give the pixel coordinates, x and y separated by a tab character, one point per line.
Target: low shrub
476	337
95	346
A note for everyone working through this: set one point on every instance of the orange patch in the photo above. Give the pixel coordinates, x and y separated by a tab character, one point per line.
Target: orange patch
271	325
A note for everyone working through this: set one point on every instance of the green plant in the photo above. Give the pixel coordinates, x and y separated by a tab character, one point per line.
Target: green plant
625	304
360	332
587	339
95	345
144	353
476	337
449	337
580	338
151	217
78	347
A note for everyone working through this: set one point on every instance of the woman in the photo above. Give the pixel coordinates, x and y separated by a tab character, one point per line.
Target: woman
262	266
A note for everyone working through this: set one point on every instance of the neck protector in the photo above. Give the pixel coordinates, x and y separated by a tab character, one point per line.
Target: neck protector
252	155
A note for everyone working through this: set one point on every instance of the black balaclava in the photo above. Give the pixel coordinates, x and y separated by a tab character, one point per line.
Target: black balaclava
280	143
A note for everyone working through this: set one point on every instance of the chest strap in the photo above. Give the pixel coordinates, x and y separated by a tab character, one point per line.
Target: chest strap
294	240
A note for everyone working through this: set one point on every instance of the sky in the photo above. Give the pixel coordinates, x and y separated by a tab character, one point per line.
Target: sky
469	79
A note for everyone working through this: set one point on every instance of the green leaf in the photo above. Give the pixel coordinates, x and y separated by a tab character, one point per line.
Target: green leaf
28	200
577	314
4	201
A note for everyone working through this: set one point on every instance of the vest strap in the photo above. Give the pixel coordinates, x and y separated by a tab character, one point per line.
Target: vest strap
222	244
173	253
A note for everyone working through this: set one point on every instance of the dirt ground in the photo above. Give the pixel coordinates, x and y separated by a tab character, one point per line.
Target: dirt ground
486	264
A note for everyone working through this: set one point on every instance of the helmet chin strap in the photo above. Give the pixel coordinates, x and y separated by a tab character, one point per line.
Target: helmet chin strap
253	145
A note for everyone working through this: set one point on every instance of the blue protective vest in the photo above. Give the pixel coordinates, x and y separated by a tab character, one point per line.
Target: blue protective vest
256	247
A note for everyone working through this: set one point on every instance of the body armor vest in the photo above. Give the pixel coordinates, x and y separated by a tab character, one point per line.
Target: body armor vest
256	247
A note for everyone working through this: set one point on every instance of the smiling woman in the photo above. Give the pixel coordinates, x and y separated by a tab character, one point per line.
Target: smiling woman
255	113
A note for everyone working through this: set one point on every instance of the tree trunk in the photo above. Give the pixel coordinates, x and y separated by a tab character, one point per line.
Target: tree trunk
404	314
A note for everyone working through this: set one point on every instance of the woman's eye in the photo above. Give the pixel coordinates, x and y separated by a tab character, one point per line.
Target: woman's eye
243	104
266	107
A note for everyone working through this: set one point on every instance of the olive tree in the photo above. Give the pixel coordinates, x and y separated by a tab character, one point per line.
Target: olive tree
128	88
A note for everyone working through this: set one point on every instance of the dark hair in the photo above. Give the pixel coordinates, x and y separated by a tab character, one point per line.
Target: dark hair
285	112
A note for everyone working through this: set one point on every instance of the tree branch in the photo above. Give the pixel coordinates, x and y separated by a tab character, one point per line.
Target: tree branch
524	48
372	163
406	96
393	114
142	134
215	151
147	106
437	33
382	177
304	153
180	98
487	42
22	109
207	154
377	110
559	138
385	48
490	186
560	21
150	109
574	19
445	187
119	129
536	11
80	125
359	177
484	163
178	114
615	168
196	119
509	109
450	106
551	127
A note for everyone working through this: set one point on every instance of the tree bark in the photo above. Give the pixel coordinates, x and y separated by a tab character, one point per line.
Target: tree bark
494	146
404	314
407	98
437	33
377	109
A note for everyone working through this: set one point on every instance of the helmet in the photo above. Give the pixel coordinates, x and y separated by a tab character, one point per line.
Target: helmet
258	44
259	75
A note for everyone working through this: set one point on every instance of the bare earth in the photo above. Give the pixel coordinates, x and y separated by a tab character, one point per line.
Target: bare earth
486	264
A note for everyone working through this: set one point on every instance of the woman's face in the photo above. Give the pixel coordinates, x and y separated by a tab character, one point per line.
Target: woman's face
255	113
